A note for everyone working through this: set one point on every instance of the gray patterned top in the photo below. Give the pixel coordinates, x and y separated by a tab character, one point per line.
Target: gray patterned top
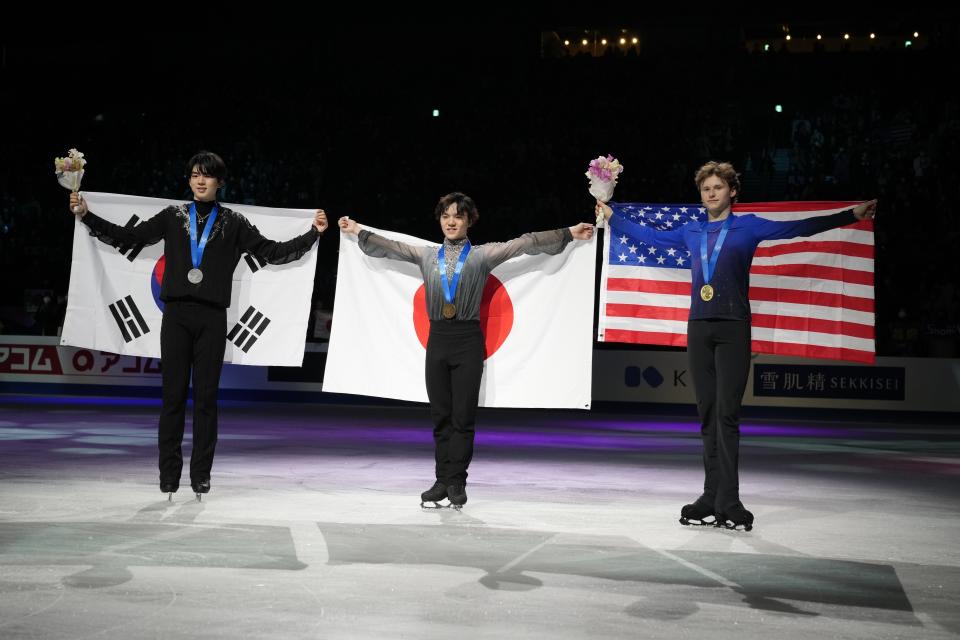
480	262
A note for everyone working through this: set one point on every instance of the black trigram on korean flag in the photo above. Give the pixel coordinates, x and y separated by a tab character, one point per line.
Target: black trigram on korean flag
131	323
254	262
251	326
134	250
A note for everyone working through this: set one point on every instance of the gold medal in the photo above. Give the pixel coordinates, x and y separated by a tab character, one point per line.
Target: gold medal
706	293
449	311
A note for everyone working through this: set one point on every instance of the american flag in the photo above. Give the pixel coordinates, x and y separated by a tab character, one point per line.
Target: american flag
810	297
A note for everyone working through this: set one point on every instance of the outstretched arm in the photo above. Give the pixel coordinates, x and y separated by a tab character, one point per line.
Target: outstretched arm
377	246
147	232
775	230
252	241
622	225
549	242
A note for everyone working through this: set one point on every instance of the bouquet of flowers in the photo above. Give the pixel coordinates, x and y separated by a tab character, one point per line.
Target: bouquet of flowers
69	170
603	173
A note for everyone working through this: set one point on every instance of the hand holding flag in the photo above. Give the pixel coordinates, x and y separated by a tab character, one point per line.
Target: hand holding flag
320	220
866	210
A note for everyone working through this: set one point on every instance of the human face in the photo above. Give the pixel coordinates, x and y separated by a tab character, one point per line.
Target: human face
204	187
717	197
453	224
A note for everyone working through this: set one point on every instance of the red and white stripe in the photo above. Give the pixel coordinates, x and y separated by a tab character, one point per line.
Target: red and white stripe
810	297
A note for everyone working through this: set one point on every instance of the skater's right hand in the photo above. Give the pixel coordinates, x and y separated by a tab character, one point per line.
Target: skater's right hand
603	207
78	205
348	226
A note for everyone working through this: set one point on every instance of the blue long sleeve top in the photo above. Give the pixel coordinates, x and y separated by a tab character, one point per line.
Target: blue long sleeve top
731	277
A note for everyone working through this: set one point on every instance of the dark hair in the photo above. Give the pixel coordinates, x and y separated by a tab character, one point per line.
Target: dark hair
209	164
465	206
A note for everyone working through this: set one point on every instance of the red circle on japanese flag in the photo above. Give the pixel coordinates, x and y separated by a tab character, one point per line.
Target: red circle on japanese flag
496	315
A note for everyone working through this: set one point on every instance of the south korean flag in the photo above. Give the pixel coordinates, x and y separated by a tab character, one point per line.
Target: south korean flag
114	298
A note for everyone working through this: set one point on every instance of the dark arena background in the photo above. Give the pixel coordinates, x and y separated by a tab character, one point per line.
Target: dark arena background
313	527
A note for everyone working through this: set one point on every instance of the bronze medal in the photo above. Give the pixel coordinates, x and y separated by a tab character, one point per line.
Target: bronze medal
449	311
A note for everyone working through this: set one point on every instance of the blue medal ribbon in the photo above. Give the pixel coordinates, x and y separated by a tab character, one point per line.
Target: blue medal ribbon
450	289
709	266
196	249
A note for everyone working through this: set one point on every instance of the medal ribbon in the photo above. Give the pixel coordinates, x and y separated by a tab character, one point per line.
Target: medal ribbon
450	289
709	266
196	249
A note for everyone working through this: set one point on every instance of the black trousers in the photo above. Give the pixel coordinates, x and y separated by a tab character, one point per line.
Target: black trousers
719	354
454	366
192	336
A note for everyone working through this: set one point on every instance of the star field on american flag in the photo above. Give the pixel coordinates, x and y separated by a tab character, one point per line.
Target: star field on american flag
627	250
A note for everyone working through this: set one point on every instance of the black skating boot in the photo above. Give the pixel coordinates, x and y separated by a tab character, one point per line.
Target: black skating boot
200	487
457	494
434	494
169	488
698	514
734	517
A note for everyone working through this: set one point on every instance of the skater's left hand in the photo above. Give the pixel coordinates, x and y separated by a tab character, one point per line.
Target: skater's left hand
320	221
866	211
582	231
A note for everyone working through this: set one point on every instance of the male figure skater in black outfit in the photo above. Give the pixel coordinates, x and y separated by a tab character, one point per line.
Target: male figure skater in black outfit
203	242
